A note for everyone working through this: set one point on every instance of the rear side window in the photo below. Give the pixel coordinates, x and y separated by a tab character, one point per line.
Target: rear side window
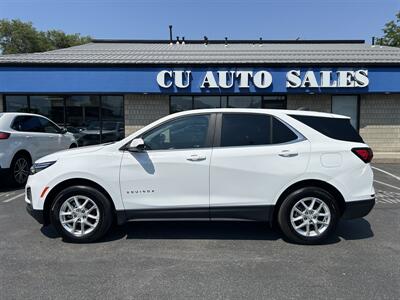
335	128
28	124
253	129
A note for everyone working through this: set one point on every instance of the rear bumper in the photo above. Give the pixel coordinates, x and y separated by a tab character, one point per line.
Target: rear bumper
358	209
35	213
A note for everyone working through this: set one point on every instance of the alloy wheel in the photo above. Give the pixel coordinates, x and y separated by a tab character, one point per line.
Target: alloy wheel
79	215
21	170
310	217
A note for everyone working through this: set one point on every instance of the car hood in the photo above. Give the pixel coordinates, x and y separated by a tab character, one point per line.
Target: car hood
70	152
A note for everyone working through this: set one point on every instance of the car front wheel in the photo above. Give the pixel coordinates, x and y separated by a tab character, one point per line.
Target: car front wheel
81	214
308	215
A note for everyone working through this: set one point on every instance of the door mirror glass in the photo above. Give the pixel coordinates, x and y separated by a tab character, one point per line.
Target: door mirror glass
137	145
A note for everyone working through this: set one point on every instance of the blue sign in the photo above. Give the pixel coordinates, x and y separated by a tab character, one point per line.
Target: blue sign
212	80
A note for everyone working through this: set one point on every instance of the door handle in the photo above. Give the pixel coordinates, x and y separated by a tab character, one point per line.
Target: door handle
196	157
288	153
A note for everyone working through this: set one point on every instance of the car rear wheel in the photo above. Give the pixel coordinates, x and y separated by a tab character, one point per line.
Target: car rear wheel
81	214
308	215
19	169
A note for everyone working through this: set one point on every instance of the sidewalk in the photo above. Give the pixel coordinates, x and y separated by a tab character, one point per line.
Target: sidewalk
386	157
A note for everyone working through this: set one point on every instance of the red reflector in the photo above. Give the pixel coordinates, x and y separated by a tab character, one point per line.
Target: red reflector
365	154
44	191
4	135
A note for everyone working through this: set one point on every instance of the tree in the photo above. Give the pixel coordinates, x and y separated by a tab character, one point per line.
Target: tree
391	35
21	37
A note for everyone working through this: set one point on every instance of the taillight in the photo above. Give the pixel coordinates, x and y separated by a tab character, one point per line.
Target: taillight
365	154
4	135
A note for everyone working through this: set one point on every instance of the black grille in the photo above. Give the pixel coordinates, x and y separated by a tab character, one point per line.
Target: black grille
29	193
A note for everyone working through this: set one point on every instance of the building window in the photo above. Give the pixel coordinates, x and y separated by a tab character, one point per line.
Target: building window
92	119
277	102
83	118
182	103
112	116
49	106
244	101
207	102
346	105
16	103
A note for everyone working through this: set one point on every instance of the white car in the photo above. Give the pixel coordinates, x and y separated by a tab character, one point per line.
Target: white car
302	170
25	138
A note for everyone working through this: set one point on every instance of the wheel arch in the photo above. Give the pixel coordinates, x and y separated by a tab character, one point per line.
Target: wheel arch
71	182
23	152
310	183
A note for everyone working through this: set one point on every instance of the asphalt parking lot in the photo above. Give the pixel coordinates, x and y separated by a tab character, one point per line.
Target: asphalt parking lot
203	259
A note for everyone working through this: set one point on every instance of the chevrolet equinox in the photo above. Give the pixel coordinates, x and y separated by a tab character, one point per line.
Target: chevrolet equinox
301	170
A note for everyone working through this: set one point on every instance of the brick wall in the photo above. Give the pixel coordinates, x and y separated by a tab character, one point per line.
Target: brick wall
141	110
380	122
311	102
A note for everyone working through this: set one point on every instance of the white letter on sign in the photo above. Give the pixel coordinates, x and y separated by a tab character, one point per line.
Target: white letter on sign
179	80
262	79
361	78
243	78
293	79
209	81
309	80
161	77
224	80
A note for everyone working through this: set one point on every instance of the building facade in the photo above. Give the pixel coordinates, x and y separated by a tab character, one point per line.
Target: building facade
104	90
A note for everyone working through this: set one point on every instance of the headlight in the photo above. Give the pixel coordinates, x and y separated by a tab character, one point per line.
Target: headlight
37	167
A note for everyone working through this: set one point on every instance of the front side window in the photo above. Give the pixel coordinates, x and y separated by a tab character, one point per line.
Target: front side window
253	130
48	126
182	133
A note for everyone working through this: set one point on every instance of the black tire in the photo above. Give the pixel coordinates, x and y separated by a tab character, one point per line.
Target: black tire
284	219
103	204
15	178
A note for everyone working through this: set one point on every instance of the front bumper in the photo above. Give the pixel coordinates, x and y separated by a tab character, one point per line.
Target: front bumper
35	213
358	209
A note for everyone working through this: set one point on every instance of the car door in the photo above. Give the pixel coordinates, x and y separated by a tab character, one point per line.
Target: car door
255	156
173	171
55	139
31	131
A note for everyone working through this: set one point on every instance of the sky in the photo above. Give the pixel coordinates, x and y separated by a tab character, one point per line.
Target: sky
235	19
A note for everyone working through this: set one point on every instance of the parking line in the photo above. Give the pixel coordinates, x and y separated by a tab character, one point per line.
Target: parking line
392	186
13	198
386	172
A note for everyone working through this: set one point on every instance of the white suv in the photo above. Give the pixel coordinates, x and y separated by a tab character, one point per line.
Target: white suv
302	170
25	138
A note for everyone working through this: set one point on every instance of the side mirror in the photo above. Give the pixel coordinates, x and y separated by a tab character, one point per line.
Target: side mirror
64	130
137	145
